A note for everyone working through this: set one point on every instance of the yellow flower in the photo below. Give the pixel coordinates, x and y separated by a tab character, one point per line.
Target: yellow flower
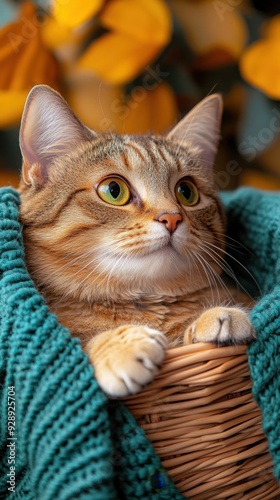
136	32
73	12
260	63
24	62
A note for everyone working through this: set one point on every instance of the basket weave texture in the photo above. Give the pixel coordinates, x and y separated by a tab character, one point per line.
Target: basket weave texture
200	415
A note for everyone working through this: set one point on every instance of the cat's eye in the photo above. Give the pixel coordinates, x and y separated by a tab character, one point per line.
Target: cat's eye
187	192
114	191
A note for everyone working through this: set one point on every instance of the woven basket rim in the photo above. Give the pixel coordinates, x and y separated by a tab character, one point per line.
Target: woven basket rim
200	415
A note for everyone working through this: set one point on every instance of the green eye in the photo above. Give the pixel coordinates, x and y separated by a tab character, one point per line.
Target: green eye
114	191
187	192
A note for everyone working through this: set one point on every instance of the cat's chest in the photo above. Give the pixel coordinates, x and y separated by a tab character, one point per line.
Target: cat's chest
170	315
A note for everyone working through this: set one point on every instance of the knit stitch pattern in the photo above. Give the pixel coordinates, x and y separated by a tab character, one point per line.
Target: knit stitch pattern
72	443
254	220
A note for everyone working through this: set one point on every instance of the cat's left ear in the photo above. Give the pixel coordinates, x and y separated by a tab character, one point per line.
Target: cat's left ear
201	128
49	129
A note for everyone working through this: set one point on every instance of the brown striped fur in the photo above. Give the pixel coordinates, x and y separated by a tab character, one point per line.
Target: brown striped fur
113	274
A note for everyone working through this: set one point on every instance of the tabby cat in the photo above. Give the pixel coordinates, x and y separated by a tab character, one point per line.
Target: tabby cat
124	237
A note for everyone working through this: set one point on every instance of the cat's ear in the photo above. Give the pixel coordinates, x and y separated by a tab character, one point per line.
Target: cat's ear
201	128
49	128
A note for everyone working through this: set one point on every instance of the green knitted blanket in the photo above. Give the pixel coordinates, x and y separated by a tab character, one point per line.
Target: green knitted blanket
60	437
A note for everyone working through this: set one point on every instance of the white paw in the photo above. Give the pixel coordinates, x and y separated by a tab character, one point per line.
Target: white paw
129	359
221	325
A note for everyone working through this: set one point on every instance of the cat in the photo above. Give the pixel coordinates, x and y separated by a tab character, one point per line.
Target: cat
124	237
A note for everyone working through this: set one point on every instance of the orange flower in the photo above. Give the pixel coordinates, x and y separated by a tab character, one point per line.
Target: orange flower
155	113
260	64
106	108
24	62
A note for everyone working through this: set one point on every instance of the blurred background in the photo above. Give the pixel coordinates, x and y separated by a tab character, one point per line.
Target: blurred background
138	66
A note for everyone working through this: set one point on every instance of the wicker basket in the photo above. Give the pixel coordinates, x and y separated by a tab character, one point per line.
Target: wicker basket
201	418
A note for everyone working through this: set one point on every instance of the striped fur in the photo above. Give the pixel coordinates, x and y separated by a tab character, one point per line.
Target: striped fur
102	267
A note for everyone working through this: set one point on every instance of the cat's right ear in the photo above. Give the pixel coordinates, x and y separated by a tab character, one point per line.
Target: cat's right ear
49	128
201	128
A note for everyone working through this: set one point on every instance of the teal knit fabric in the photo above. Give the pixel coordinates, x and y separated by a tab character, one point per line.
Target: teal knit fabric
254	220
72	443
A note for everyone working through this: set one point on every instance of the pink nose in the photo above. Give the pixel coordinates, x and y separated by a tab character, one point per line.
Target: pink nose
171	220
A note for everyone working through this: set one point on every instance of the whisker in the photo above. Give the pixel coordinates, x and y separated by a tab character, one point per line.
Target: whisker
227	237
68	264
208	273
116	264
100	263
218	277
106	276
218	259
231	271
223	286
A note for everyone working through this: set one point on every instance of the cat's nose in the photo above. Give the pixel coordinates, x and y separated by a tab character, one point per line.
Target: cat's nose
171	220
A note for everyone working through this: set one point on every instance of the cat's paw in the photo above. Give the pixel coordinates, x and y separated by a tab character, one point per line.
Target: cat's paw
127	358
221	325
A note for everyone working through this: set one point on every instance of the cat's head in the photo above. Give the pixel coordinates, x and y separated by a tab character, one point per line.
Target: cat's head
108	216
